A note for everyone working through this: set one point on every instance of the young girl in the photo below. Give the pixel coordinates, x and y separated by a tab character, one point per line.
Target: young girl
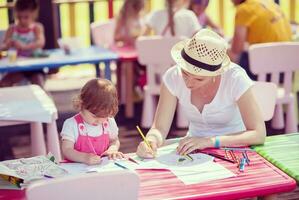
199	7
27	37
128	24
93	132
176	20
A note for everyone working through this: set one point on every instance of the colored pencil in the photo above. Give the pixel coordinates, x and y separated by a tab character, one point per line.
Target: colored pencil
144	139
220	157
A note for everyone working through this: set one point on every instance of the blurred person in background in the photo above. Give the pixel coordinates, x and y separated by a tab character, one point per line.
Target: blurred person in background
199	7
175	20
257	21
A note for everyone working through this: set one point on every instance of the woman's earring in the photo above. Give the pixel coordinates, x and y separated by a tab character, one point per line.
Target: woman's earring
214	79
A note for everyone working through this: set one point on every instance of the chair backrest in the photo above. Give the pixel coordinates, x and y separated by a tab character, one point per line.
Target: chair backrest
106	185
154	52
72	43
273	59
265	94
102	33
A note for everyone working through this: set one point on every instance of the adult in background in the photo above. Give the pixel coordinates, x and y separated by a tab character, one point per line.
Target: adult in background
257	21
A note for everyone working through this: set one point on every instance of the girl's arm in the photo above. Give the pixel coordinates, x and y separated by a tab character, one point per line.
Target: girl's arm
214	26
114	145
255	129
70	153
147	30
7	42
162	122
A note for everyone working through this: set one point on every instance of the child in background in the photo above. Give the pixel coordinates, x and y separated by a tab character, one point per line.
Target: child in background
93	132
27	37
199	7
128	24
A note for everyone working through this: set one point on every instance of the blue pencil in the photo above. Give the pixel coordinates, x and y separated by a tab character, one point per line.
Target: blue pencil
119	165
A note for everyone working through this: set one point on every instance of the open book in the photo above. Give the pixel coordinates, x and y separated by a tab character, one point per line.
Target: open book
22	171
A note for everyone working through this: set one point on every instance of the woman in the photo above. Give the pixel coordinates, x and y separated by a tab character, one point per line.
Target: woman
215	94
176	20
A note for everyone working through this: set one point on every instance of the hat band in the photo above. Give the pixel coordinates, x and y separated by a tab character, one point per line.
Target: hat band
199	64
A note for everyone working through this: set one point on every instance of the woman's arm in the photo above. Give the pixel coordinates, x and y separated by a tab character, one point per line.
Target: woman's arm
255	126
70	153
161	125
255	129
163	117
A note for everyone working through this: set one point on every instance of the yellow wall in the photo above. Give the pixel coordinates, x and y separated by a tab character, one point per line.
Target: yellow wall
80	20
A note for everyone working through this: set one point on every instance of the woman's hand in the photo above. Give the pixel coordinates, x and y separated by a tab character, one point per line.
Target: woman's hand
144	151
189	144
113	155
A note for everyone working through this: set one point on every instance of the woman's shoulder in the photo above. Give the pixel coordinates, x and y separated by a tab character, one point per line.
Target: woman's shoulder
235	71
173	72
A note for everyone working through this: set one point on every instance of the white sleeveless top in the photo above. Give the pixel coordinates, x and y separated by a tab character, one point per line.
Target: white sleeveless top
221	116
25	36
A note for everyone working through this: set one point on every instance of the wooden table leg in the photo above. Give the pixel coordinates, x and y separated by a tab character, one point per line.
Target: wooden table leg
53	140
38	146
129	66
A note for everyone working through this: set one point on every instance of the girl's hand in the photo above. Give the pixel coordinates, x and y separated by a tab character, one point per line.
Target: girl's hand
112	154
144	151
92	159
189	144
19	45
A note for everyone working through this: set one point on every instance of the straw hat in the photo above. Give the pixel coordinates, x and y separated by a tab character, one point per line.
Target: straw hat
203	55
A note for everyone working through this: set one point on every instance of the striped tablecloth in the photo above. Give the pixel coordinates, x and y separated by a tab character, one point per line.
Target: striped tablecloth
283	152
261	178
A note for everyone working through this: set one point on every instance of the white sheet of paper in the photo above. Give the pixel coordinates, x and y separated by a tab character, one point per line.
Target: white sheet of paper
78	168
202	173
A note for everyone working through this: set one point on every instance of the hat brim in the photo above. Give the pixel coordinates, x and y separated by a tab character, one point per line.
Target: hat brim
176	55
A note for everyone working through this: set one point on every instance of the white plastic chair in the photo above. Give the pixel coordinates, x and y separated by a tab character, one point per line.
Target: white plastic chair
273	59
106	185
72	43
265	95
102	33
154	52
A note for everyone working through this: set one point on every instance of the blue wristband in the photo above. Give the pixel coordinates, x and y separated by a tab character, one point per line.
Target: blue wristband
217	142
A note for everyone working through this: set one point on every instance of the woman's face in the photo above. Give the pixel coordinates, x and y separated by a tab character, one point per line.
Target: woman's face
92	119
194	82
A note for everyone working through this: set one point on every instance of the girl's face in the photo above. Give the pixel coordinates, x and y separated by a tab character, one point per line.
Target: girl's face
25	18
194	82
93	119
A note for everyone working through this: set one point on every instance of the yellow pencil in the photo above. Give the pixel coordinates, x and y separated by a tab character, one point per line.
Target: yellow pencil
144	139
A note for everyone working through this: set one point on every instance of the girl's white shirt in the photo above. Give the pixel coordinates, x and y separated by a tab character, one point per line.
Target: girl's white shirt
70	129
186	22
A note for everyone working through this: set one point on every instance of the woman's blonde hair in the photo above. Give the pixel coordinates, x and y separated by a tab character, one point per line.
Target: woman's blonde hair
98	96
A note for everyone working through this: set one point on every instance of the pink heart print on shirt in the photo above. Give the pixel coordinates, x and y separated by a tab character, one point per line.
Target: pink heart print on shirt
82	129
